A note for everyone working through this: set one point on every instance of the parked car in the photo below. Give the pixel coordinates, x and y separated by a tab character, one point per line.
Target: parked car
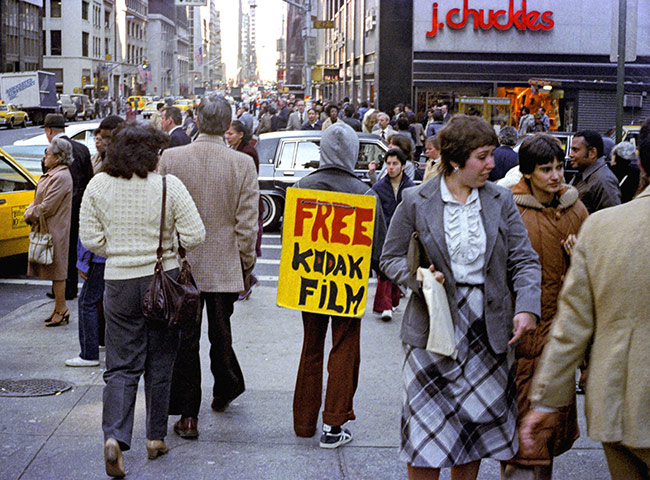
67	107
11	116
85	109
81	132
17	188
149	109
287	156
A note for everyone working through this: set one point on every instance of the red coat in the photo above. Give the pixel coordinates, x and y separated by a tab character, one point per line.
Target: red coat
547	228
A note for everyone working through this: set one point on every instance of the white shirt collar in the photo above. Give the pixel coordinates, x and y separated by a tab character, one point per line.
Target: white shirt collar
447	197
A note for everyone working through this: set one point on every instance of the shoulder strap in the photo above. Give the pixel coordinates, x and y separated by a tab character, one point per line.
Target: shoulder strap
159	252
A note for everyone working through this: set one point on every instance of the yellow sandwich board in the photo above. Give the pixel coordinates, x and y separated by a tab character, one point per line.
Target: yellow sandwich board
326	249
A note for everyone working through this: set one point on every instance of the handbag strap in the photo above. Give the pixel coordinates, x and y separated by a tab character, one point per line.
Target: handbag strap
159	251
42	223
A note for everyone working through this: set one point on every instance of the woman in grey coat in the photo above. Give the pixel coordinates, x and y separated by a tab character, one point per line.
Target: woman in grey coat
460	410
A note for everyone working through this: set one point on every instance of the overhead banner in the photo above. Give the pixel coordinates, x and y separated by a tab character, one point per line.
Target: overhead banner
326	249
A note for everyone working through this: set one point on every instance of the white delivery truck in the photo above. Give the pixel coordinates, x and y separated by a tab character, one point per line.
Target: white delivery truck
32	92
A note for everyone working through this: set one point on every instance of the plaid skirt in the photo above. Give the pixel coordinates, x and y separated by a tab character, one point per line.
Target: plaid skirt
459	411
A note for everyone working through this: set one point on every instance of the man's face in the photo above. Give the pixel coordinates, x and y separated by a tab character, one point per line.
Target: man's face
49	134
166	122
581	156
382	121
394	167
301	106
312	115
334	112
444	109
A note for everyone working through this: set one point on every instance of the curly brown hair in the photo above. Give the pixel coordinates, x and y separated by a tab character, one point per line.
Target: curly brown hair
134	149
460	137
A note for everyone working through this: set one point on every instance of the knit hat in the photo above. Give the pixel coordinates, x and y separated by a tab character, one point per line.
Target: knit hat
625	151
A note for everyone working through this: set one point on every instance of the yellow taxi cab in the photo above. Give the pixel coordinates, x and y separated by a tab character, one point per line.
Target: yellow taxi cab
138	102
11	116
17	188
183	105
630	134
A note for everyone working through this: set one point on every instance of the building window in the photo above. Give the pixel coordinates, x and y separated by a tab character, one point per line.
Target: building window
107	19
55	9
55	42
84	44
84	10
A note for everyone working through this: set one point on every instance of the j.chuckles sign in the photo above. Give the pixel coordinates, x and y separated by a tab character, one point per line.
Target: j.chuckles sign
516	16
326	248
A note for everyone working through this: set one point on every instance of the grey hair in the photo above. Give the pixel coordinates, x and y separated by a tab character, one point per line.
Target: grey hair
508	136
214	116
382	114
62	149
624	151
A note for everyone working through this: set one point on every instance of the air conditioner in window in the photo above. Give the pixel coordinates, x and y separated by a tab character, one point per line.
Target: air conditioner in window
633	101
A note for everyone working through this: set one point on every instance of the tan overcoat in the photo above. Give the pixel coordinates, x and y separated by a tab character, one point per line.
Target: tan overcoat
604	302
54	200
223	185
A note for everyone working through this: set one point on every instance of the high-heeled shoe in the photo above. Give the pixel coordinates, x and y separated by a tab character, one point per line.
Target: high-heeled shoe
65	319
113	459
155	448
49	319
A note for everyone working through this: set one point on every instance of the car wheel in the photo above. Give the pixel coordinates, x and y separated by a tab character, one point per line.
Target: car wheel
11	123
24	121
271	212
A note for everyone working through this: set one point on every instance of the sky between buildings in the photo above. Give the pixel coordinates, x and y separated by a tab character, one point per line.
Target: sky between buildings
268	26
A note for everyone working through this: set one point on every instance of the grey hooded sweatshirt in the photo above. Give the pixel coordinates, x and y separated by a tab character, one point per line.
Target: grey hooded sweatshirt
339	150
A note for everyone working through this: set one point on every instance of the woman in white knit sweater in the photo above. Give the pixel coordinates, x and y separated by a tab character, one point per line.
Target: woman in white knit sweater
120	220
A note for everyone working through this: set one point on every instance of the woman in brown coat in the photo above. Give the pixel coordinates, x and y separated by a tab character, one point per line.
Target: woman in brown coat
53	201
553	215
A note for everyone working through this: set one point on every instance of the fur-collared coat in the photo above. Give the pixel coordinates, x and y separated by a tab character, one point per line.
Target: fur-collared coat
547	227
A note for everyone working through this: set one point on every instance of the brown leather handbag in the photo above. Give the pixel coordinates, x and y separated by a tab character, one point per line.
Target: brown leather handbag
170	302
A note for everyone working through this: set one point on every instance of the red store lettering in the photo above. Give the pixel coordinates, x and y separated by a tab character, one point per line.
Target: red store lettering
522	19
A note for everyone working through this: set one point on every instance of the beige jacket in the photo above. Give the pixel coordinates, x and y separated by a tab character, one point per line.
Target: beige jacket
54	200
605	303
223	184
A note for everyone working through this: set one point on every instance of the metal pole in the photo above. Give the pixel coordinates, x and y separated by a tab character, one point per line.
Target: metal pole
307	11
620	69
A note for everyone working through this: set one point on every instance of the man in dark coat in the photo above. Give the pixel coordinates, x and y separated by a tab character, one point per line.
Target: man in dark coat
504	156
171	121
389	190
338	154
81	170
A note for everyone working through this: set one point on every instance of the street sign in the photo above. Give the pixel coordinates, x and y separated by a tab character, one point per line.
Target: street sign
323	24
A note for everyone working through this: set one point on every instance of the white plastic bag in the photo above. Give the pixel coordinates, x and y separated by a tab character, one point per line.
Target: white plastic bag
441	326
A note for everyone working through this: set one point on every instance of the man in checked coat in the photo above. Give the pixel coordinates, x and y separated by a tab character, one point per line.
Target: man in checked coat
223	184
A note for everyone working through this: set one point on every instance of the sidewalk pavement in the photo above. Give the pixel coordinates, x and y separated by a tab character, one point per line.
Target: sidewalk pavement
60	437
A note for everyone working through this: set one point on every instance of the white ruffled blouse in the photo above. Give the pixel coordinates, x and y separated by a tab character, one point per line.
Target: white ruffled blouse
464	235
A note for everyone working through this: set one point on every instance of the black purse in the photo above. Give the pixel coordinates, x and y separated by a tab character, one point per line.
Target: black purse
170	302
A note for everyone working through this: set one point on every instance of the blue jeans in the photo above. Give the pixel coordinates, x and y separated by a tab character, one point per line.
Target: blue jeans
91	295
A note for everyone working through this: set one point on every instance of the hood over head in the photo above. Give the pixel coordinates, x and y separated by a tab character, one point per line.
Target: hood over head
339	147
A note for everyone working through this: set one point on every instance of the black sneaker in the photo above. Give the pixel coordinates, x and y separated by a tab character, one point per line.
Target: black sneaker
334	440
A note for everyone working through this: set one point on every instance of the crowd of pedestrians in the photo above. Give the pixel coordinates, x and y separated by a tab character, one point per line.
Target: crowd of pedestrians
535	275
